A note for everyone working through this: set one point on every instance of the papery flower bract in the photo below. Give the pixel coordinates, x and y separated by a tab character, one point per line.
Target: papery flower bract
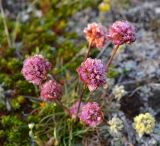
91	114
122	32
96	34
118	92
144	123
93	73
115	125
74	108
51	90
35	69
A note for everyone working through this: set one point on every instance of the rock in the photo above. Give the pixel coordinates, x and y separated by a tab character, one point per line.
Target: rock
154	100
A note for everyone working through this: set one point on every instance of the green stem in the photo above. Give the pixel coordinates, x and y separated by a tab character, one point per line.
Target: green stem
5	25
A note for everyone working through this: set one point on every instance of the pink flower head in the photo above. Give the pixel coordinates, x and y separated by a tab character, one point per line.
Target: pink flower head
91	114
122	32
92	72
51	90
96	34
35	69
74	108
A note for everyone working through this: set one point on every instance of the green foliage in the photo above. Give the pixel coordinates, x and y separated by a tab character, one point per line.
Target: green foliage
23	87
49	108
15	131
6	80
14	64
15	104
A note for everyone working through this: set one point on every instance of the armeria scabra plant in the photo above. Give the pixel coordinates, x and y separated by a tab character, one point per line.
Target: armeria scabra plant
92	75
92	72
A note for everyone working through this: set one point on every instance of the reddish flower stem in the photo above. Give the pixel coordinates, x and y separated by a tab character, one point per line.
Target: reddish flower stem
112	56
89	50
80	99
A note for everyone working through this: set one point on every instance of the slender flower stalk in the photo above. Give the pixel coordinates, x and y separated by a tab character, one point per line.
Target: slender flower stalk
89	50
5	25
80	99
112	56
74	107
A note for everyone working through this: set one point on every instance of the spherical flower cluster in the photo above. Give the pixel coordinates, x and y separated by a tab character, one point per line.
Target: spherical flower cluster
118	92
91	114
93	73
51	90
96	34
122	32
74	108
115	125
35	69
144	123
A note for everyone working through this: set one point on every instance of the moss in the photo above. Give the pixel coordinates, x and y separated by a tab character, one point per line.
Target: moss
2	106
6	80
24	88
15	131
2	133
14	64
15	104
